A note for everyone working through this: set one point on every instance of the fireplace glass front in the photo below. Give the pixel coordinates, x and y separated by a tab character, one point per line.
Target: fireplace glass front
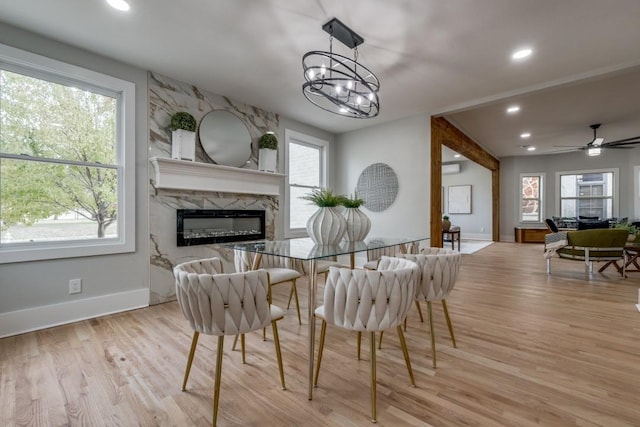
205	226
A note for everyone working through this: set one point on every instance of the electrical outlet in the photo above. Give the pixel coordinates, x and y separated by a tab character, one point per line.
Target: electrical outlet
75	286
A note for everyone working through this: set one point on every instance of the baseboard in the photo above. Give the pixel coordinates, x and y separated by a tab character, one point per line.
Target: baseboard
33	319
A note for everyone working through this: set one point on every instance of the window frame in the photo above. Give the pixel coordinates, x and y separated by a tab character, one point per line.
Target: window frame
38	66
540	198
322	145
615	199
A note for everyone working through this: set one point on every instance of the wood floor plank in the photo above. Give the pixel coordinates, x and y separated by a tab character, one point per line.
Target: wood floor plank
532	350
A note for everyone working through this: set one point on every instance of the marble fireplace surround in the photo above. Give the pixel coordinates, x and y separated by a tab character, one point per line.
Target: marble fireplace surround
179	184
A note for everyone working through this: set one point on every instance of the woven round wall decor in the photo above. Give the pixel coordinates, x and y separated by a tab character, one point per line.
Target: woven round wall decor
377	186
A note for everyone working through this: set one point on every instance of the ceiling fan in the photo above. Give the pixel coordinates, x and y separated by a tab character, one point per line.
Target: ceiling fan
594	148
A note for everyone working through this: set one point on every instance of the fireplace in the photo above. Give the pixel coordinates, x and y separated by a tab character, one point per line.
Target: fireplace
205	226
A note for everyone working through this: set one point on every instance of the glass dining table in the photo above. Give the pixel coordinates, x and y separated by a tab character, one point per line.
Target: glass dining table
305	250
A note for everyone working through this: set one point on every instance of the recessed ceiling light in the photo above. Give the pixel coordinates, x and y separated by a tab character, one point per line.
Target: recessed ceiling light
531	148
457	156
525	135
119	4
513	109
522	53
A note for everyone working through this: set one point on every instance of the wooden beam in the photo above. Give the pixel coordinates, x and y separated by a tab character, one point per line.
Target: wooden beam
444	133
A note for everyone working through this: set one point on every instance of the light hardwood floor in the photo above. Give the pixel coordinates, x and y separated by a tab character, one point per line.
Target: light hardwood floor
562	350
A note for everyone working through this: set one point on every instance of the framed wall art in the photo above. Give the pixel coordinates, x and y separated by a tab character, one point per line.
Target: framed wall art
459	199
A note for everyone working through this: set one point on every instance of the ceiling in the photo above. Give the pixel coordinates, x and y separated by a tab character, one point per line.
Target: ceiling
432	56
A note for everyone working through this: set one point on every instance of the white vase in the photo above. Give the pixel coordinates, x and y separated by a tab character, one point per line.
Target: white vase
267	160
326	226
358	224
183	145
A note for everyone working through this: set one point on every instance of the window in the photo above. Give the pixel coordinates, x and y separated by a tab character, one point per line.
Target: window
66	160
306	171
531	206
587	194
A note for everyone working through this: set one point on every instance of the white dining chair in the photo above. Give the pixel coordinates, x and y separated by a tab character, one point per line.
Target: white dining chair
280	269
224	304
438	274
369	301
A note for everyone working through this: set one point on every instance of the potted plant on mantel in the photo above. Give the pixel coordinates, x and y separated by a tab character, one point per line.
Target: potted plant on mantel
183	136
326	226
358	223
267	152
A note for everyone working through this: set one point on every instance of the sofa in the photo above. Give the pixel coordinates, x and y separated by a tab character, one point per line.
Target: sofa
588	246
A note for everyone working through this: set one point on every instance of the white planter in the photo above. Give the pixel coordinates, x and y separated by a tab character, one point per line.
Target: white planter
267	160
358	224
326	226
183	145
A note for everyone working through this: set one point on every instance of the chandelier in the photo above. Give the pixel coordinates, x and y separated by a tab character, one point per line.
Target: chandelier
339	84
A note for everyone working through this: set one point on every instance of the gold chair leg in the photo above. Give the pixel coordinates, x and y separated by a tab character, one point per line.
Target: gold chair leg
192	352
433	336
372	356
216	386
405	352
295	294
290	297
323	332
235	341
359	339
380	340
446	315
419	312
276	340
242	347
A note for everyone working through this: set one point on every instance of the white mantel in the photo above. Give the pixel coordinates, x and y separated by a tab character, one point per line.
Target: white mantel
196	176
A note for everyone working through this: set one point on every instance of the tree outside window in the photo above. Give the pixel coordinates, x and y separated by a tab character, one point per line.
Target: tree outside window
58	161
531	198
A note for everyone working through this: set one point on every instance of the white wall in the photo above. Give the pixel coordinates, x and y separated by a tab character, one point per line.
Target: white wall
405	146
40	288
512	167
476	225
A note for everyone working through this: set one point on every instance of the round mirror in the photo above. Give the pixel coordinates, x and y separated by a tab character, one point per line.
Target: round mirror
225	138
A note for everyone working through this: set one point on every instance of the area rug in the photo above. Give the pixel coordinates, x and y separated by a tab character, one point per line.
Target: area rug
471	246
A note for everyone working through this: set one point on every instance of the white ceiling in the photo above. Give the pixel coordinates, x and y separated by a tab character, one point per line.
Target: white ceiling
432	56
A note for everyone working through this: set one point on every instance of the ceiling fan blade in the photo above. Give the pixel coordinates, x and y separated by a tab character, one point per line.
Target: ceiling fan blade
616	146
569	146
635	139
621	144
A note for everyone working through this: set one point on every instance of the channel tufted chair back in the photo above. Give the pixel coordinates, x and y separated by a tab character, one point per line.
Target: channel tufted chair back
369	301
224	304
280	269
438	274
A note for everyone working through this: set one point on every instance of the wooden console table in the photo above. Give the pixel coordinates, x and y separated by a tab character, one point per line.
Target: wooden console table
530	234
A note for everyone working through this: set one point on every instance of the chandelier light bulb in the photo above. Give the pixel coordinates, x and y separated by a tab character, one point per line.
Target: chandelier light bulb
311	74
343	110
359	100
349	85
323	69
370	97
338	89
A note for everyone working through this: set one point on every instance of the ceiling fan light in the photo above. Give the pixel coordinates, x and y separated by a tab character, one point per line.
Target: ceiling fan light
595	151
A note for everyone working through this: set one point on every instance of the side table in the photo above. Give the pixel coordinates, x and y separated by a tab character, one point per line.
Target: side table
453	235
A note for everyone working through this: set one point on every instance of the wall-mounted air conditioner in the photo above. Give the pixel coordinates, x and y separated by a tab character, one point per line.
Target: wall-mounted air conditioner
451	168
